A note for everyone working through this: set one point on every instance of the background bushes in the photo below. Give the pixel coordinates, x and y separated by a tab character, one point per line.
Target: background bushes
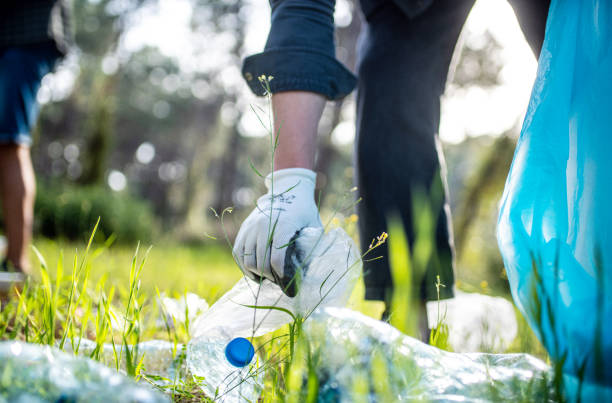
71	212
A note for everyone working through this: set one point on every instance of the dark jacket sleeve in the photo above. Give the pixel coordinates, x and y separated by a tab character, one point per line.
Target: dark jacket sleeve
300	51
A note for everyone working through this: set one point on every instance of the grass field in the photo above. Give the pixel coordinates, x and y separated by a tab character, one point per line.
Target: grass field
106	285
207	270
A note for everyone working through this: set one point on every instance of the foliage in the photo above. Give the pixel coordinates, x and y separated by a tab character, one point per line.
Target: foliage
479	61
70	212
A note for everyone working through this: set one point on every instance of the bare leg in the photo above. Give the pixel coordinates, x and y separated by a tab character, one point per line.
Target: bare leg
17	189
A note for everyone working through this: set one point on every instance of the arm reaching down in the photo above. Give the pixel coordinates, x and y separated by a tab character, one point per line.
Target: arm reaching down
300	55
289	206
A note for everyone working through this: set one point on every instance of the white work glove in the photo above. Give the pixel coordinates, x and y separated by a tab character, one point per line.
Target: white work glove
279	215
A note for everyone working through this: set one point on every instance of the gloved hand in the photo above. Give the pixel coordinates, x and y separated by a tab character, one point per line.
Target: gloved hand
270	230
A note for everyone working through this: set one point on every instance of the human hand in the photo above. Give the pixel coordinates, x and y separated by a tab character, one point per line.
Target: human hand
270	230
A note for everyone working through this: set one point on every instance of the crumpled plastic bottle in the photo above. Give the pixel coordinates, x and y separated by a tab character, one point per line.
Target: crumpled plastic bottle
475	322
363	359
34	373
224	380
331	267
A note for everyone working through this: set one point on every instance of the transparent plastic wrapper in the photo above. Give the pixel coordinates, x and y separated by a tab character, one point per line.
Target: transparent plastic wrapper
554	228
332	266
363	359
177	308
475	322
34	373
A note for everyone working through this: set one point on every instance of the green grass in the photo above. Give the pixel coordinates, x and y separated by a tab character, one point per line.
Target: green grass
79	293
207	270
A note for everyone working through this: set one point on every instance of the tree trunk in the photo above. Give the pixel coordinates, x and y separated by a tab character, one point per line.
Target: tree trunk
99	130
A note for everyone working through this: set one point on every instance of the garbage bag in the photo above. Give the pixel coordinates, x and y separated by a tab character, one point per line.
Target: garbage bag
554	228
34	373
332	266
475	322
363	359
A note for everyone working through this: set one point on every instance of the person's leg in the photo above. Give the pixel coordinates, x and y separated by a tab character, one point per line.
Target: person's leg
403	66
21	71
532	15
17	187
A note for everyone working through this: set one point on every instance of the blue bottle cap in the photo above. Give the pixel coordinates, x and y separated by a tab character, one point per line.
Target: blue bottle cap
239	352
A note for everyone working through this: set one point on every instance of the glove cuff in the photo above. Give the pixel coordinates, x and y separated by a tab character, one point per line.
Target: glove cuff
285	179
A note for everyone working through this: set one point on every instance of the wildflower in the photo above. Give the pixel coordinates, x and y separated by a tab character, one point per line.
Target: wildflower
263	79
351	219
379	240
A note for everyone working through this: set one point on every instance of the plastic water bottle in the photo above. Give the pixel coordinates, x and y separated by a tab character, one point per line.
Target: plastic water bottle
364	359
239	352
220	351
35	373
229	367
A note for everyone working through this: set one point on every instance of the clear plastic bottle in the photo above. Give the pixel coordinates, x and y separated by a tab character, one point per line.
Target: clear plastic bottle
229	367
367	360
331	268
35	373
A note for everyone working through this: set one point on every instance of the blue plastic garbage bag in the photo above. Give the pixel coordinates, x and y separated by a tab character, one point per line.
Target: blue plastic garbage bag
555	223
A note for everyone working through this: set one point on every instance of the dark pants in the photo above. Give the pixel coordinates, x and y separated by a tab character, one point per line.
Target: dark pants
404	60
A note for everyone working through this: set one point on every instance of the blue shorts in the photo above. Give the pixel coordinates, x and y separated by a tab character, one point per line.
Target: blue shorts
21	71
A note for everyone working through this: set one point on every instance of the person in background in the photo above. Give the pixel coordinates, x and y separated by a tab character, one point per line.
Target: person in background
405	52
34	35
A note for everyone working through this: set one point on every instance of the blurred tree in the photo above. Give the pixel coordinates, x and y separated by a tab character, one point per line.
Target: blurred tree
479	62
477	182
99	26
227	162
98	132
123	99
486	181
